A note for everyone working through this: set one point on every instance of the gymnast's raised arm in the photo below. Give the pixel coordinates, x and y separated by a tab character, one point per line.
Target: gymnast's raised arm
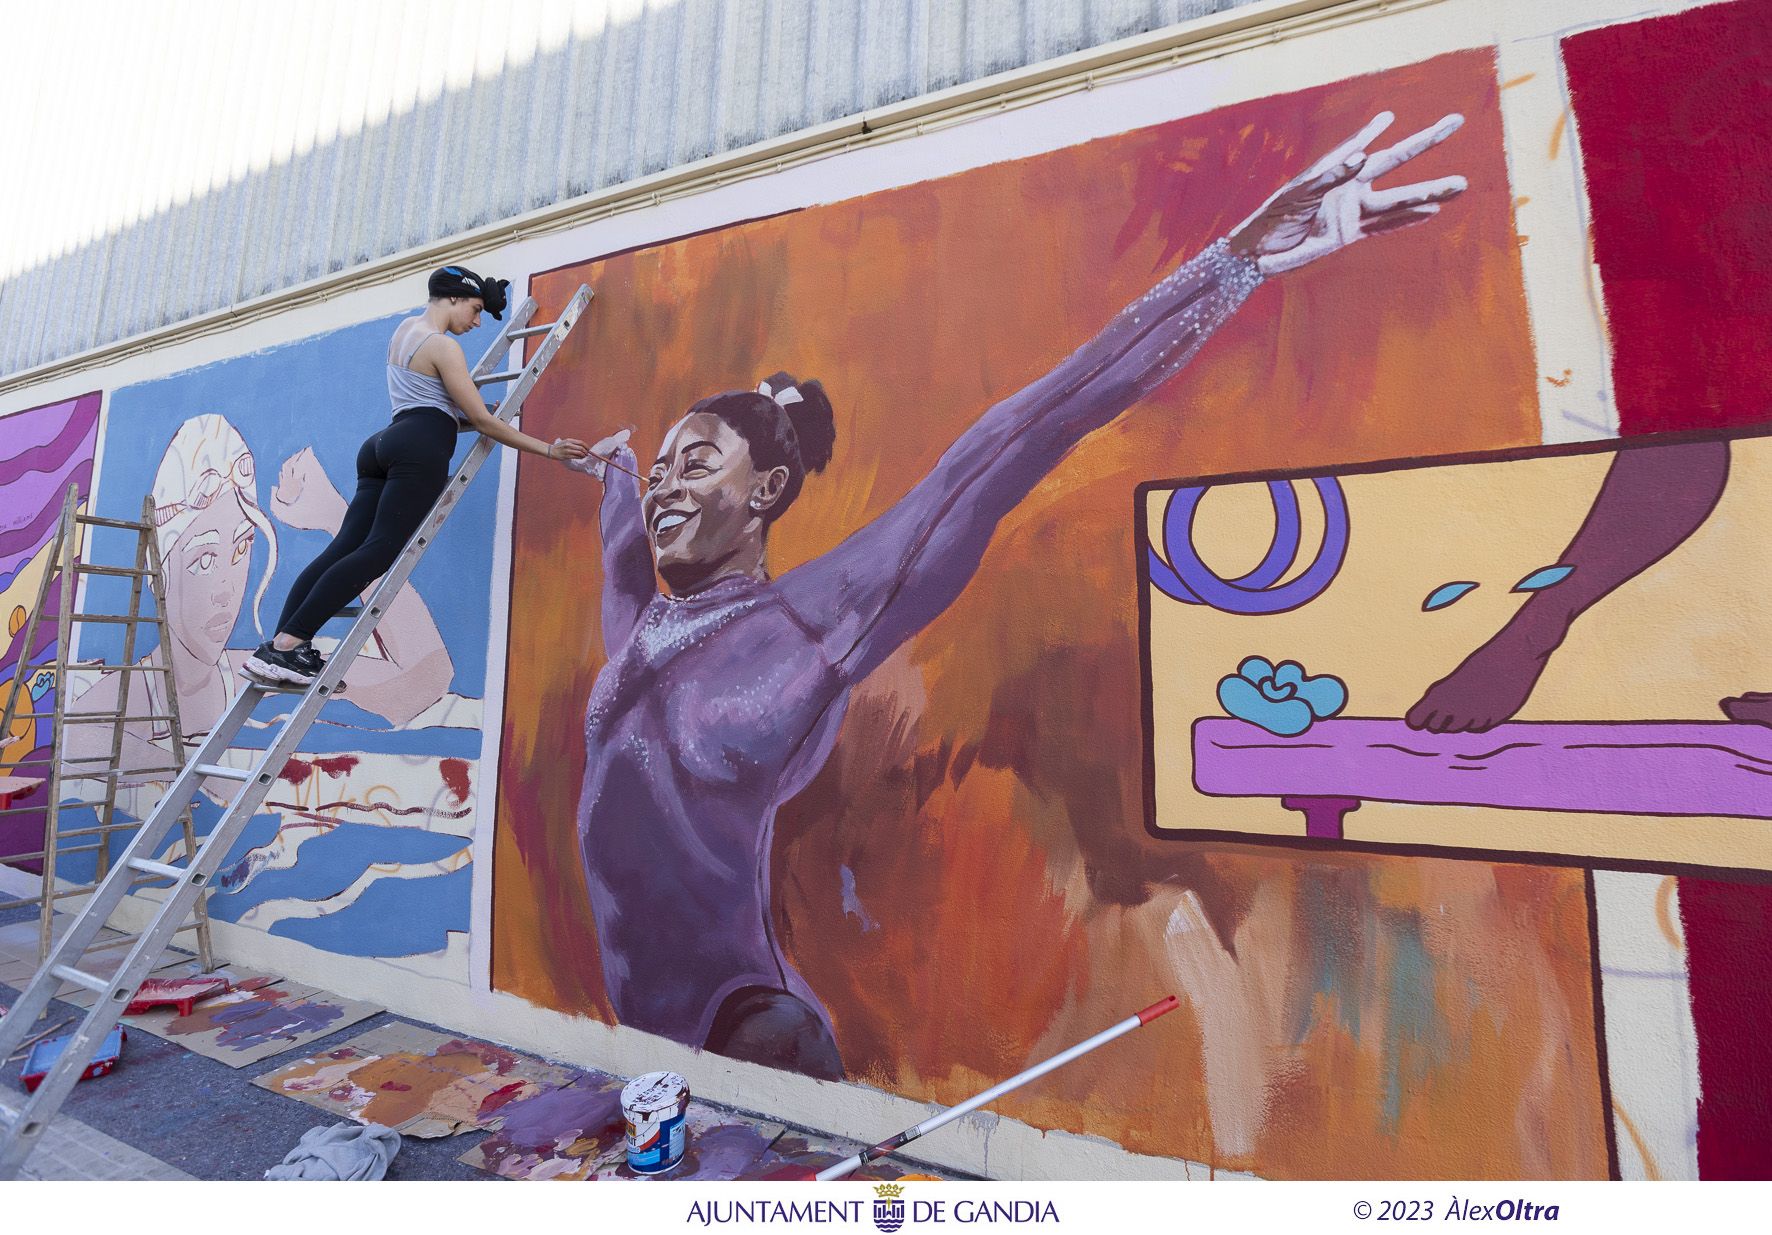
628	583
891	578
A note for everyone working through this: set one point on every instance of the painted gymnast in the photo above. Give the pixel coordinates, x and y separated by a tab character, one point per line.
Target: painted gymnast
722	699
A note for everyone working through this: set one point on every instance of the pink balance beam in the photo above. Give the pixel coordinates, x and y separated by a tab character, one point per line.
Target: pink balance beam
1617	767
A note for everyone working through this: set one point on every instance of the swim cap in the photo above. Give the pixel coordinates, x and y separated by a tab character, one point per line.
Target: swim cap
460	281
208	459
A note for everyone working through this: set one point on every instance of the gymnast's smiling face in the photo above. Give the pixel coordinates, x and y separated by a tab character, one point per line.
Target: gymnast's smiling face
704	509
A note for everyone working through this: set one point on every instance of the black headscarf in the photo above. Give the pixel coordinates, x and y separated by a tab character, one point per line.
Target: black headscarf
460	281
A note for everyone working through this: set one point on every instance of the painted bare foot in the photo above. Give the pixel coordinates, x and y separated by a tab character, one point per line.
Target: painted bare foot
1491	684
1754	707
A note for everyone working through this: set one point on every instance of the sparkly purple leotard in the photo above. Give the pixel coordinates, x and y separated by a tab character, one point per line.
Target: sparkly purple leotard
716	708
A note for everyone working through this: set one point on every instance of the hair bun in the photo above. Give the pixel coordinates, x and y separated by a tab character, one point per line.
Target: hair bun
814	421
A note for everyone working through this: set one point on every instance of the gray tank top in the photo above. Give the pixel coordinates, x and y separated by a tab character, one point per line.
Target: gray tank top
408	388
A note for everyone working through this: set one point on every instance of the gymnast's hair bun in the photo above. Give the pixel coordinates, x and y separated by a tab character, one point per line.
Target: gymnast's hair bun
815	423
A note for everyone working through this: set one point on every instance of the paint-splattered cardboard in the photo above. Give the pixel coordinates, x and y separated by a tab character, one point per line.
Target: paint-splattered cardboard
263	1015
555	1132
577	1133
417	1081
183	965
245	1026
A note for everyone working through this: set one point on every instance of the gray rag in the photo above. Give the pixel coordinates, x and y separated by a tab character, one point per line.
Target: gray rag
340	1151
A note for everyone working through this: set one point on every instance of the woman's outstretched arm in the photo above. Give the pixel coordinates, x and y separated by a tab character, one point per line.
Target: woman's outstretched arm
891	578
628	582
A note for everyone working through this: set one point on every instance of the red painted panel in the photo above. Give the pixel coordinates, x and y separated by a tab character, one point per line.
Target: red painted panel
1675	124
1728	937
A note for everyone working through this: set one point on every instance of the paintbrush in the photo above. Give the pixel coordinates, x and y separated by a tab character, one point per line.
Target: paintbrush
621	468
24	1048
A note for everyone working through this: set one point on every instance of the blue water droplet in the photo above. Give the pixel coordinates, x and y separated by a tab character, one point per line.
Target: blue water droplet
1445	594
1543	578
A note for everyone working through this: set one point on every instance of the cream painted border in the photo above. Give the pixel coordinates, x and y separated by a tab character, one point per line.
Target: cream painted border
492	720
1652	1056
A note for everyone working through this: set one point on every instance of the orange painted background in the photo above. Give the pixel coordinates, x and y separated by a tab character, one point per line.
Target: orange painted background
1345	1015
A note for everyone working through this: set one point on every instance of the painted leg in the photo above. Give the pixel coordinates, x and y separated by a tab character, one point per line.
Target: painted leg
1653	498
778	1030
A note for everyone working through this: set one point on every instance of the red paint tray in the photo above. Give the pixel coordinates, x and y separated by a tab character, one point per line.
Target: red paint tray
181	993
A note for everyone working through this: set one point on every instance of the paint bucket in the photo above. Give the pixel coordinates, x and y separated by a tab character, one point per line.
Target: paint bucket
656	1107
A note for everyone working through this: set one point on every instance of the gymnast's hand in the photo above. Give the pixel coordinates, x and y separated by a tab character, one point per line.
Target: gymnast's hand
596	461
1334	203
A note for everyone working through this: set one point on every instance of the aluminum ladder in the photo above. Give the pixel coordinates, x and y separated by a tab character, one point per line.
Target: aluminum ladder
20	1128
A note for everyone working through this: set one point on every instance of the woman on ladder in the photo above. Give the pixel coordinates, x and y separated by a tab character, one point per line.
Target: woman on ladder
402	469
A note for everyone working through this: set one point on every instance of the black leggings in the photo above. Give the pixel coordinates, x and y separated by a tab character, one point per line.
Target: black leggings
400	473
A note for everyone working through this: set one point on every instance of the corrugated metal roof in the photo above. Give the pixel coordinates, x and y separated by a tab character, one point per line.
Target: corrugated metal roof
180	157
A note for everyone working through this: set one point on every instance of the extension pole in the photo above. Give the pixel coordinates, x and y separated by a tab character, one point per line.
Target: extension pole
1167	1004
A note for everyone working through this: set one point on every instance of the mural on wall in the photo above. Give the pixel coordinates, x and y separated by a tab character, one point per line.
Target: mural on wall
1675	162
722	699
888	775
43	450
1558	651
365	844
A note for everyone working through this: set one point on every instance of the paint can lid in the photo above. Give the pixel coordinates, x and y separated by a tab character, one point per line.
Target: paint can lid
654	1092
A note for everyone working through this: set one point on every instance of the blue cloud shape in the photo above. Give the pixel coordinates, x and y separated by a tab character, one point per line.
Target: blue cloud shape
1282	699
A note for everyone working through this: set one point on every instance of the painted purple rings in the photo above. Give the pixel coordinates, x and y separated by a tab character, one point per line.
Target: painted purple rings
1179	573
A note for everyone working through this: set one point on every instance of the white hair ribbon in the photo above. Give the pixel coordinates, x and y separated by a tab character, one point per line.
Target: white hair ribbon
785	396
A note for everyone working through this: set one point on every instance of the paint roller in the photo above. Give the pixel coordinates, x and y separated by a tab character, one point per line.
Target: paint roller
856	1161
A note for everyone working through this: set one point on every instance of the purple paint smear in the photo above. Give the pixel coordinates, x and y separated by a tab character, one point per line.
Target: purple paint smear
557	1117
577	1130
256	1021
537	1134
725	1151
1623	768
